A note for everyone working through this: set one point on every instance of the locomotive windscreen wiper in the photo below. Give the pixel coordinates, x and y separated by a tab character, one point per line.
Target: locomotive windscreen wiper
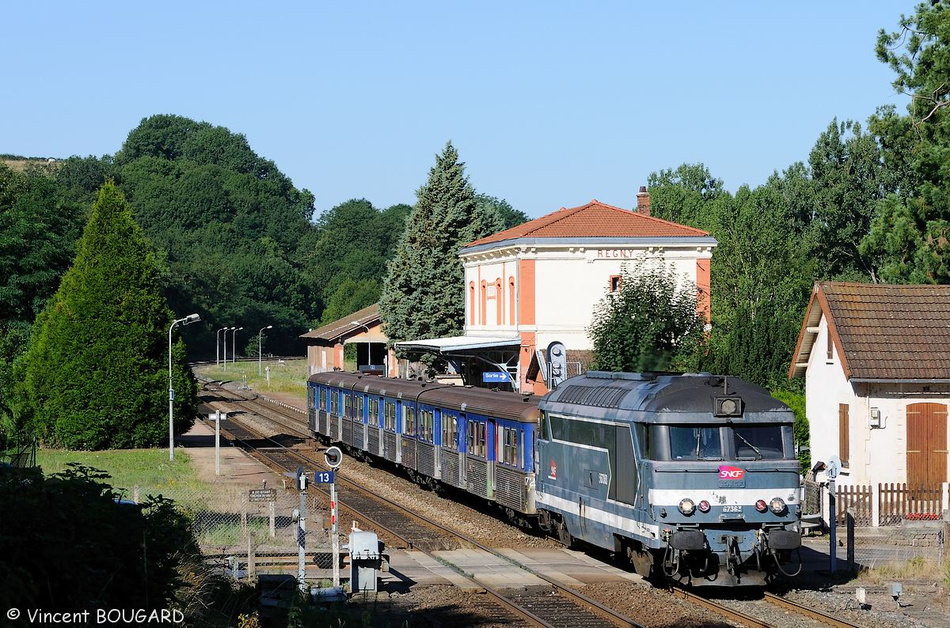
753	447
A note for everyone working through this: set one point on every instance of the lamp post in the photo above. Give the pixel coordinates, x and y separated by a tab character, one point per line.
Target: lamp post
188	320
260	337
225	347
234	343
217	347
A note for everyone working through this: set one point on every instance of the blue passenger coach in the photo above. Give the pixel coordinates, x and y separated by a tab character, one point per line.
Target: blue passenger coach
477	440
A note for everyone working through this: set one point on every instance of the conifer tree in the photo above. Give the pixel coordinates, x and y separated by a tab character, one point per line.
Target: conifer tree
95	374
424	293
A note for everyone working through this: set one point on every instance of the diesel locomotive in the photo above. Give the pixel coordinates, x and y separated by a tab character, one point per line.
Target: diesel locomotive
692	477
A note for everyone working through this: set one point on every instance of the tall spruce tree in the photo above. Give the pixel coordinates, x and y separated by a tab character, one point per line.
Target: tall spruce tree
424	292
95	374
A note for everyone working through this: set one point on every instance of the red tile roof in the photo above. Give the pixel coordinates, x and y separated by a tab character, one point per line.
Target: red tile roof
594	220
881	332
350	325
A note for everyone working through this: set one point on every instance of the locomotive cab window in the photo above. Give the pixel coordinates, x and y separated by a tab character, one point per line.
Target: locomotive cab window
689	442
758	442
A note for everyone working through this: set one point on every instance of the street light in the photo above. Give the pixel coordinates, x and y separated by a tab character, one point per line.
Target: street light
188	320
234	343
225	346
260	337
217	347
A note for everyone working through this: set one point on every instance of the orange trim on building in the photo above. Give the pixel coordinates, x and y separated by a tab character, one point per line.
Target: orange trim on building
526	292
529	340
703	285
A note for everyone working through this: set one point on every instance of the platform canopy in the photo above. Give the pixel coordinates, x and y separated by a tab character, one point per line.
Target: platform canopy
471	356
458	343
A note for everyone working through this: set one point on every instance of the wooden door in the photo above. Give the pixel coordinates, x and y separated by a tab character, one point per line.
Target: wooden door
926	445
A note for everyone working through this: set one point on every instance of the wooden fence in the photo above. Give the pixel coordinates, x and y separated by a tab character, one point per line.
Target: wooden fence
889	504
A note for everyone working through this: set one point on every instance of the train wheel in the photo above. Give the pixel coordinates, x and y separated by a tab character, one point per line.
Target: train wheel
641	560
564	535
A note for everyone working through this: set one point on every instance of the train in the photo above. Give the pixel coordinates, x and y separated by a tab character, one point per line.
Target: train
692	478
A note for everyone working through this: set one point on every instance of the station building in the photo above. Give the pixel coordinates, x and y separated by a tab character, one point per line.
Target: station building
532	290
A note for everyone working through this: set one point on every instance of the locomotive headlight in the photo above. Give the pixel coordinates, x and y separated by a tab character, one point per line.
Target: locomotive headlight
777	505
761	506
687	506
704	506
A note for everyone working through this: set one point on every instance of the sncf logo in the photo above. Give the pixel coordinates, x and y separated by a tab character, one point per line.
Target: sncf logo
731	473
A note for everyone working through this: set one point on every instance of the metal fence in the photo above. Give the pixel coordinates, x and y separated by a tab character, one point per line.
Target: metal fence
244	527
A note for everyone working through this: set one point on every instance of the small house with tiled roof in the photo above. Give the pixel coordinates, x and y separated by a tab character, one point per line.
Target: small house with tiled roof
325	345
877	380
536	285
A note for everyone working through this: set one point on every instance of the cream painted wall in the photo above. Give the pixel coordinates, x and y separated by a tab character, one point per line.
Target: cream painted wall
876	454
569	283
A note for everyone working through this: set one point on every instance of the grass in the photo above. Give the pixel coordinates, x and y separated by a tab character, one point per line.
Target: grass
917	568
285	376
148	469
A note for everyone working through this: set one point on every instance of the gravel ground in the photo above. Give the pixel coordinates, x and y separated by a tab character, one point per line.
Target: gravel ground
922	604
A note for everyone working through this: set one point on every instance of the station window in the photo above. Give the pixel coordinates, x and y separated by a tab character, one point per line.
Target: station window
615	283
450	432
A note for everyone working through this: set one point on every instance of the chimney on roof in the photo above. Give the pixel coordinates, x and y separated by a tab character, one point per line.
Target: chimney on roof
643	201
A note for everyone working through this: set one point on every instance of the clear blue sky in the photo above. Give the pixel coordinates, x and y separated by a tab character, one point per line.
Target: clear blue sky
549	103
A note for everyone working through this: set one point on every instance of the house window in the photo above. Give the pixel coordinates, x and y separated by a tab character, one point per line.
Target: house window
829	347
615	283
844	434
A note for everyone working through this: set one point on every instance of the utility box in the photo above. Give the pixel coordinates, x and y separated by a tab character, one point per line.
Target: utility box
366	561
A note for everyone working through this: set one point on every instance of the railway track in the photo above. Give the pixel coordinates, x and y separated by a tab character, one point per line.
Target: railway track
401	528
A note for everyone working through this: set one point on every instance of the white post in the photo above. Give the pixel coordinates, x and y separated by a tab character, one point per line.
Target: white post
944	497
302	537
217	442
334	536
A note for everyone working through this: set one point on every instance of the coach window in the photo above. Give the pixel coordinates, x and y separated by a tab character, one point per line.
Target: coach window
359	407
347	405
509	452
426	422
450	432
476	438
409	420
390	410
323	398
374	411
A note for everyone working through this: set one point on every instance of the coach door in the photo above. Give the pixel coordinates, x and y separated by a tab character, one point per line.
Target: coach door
926	445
